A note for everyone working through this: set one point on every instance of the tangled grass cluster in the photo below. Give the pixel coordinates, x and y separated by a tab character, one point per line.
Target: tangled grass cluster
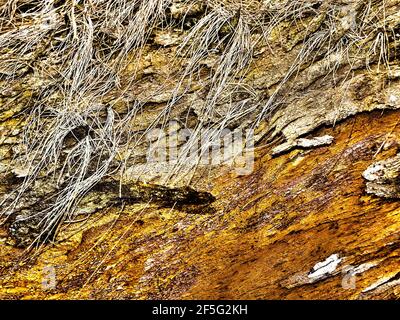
85	45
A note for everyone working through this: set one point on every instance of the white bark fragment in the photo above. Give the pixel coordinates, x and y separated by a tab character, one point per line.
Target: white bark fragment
302	143
382	178
325	268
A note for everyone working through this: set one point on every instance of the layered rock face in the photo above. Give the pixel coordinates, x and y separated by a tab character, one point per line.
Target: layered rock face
90	89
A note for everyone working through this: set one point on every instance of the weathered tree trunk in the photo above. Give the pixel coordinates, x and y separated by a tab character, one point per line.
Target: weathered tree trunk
317	216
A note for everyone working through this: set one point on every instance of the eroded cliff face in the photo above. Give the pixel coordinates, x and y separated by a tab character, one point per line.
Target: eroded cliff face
317	216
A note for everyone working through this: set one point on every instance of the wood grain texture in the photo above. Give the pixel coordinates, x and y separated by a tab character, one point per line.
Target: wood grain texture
268	231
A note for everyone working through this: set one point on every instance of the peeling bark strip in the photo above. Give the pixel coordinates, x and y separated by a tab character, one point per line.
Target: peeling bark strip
162	195
319	272
302	143
384	178
30	227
